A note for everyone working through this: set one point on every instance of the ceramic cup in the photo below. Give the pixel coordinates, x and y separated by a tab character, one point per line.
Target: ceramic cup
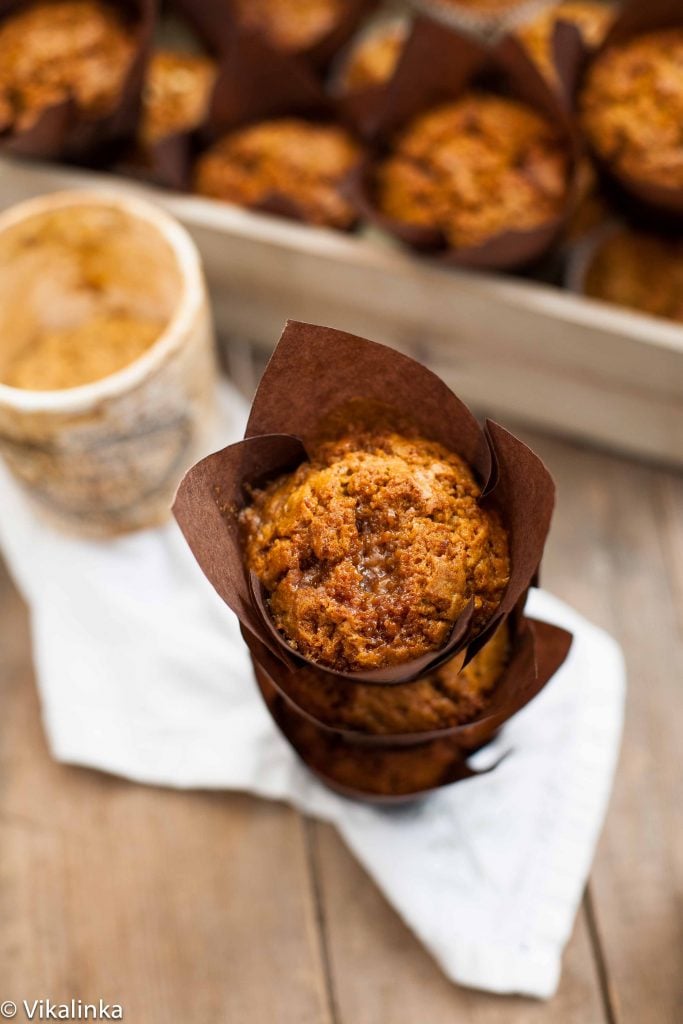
105	457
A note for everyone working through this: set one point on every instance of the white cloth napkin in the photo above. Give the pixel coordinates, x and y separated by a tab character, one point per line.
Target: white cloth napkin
142	672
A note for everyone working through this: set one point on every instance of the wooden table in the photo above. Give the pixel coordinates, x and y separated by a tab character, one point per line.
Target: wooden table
193	907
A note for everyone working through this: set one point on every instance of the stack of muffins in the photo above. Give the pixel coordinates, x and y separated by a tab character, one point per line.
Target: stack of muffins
503	154
378	563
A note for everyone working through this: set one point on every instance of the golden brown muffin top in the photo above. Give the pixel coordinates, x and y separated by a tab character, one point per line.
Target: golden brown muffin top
291	24
55	50
643	272
475	167
447	697
486	6
373	59
370	552
72	356
632	107
177	92
302	161
592	18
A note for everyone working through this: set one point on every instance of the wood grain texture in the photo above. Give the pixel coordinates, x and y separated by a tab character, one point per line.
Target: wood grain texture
199	907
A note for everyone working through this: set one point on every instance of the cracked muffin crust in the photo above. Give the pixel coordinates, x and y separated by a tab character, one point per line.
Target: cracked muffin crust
449	162
290	25
177	93
592	18
371	551
447	697
632	107
303	162
640	271
61	49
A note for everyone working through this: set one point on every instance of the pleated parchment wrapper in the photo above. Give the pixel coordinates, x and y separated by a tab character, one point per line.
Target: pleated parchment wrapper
217	22
63	130
637	18
439	64
318	381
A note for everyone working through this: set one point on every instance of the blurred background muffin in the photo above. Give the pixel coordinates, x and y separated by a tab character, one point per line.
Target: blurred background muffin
299	163
449	163
636	270
55	51
372	58
290	25
631	107
592	18
177	94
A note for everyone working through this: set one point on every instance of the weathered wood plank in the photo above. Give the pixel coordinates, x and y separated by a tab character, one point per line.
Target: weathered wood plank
182	907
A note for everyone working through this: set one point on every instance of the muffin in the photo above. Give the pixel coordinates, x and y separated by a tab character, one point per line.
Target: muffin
449	163
449	696
290	25
65	49
371	551
643	272
177	94
592	18
301	163
631	108
372	61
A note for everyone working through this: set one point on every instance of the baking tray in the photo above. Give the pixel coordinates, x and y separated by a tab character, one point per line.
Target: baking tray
515	349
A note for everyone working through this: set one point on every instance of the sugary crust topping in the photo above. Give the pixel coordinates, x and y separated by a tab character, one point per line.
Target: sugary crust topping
291	24
593	19
52	51
371	552
302	161
177	93
640	271
632	107
473	168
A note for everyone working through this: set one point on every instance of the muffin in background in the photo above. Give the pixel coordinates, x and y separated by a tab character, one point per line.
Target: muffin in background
640	271
177	94
631	107
290	25
449	163
592	18
64	49
298	164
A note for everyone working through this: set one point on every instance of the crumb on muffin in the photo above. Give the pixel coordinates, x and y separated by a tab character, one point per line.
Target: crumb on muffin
593	19
473	168
291	25
373	58
53	51
447	697
301	161
643	272
632	107
177	93
371	551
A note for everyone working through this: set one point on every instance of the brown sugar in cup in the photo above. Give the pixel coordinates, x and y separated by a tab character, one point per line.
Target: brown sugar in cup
371	551
287	165
592	18
462	123
70	73
633	269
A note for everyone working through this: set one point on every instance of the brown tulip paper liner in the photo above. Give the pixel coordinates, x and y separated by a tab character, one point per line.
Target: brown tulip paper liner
216	21
531	644
318	382
403	767
63	129
636	18
439	64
